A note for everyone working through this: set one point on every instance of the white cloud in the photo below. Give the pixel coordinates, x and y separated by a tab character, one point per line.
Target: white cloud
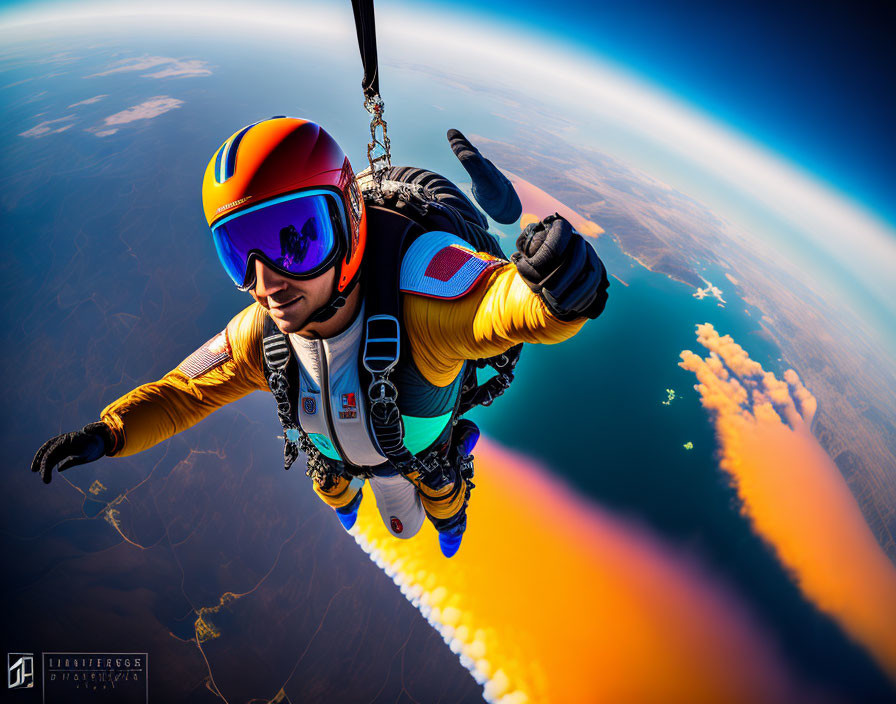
137	64
146	110
46	127
180	68
89	101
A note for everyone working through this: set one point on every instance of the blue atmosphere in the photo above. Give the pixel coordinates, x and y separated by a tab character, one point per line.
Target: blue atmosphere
812	81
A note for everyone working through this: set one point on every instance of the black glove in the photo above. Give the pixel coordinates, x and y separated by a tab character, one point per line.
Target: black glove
86	445
557	264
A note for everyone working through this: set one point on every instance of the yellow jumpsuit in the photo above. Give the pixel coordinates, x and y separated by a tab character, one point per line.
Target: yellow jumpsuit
496	314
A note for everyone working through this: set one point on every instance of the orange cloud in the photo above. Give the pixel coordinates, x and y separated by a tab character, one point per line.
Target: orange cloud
537	205
794	494
551	599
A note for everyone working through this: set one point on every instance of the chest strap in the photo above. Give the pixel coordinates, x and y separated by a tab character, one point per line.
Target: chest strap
381	350
381	347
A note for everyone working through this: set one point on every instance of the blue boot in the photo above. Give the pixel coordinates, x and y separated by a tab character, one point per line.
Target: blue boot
450	543
451	533
466	435
348	514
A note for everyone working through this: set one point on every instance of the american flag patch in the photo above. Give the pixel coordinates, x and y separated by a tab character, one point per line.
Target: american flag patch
212	354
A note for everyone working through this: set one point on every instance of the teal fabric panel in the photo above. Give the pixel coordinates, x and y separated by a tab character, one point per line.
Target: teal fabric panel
420	433
322	442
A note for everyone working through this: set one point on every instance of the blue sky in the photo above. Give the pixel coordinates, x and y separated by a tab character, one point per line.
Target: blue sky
814	81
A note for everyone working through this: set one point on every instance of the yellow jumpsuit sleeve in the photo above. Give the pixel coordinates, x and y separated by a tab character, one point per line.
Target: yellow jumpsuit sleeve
496	315
154	412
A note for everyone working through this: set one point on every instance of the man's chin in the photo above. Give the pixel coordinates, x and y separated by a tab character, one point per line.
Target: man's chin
289	325
290	320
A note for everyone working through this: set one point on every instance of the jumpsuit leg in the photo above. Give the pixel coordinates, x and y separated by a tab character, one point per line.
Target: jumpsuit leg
343	496
445	497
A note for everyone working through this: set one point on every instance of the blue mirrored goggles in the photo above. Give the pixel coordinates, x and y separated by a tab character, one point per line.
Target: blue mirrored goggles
297	235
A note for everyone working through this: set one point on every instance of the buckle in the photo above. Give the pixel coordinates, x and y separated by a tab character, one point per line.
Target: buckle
382	391
382	344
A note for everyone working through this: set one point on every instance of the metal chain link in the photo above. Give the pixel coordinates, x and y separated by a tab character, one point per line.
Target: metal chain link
379	163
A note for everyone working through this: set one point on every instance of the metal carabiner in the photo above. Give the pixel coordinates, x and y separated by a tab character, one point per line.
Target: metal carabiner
382	161
383	385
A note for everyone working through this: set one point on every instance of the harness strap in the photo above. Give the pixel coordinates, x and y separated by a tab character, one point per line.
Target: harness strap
276	351
474	394
381	347
277	357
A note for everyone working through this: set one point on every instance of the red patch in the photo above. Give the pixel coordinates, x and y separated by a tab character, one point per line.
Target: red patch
446	263
396	524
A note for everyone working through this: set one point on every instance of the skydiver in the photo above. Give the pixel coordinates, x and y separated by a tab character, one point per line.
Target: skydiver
365	326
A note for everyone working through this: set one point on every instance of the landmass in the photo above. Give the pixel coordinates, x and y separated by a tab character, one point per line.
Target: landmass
673	234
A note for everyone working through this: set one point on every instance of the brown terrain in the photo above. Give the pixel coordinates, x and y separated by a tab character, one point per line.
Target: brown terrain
671	233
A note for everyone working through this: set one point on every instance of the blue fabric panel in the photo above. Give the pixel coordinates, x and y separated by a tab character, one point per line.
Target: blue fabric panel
218	173
422	253
230	166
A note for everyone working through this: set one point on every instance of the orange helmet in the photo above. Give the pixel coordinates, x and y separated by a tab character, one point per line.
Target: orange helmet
276	160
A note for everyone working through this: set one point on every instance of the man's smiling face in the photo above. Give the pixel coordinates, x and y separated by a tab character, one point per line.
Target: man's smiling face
291	301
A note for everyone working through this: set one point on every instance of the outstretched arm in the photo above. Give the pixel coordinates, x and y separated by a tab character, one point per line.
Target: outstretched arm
224	369
556	284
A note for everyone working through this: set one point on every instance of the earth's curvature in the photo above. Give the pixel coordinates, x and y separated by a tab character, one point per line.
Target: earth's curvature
232	574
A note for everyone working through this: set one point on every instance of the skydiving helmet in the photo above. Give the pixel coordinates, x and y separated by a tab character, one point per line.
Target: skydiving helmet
283	191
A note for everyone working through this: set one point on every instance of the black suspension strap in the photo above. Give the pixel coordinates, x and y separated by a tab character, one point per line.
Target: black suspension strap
381	347
378	149
365	25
